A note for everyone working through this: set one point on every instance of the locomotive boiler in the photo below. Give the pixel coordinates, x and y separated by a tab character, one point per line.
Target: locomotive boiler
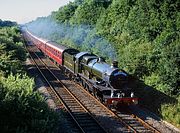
110	74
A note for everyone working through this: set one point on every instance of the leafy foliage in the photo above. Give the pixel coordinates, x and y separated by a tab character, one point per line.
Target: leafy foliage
12	52
65	13
87	13
21	108
7	23
145	35
170	112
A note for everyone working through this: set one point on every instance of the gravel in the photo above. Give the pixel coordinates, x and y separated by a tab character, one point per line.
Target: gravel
146	115
154	120
64	125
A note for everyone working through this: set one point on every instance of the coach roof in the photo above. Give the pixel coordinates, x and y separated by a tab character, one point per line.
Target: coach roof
56	46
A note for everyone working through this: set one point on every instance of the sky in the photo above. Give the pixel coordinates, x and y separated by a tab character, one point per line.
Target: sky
23	11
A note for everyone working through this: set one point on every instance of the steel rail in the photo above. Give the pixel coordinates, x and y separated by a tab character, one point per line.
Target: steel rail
145	124
67	108
55	92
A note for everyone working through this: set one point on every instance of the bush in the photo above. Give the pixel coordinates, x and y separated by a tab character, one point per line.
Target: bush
22	109
170	112
12	53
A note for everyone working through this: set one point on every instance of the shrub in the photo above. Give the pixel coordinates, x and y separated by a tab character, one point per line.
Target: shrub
22	109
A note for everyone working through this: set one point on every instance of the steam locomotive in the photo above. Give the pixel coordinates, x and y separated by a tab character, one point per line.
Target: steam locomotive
107	83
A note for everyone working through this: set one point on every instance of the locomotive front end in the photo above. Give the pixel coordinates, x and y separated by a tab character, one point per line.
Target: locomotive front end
121	92
118	79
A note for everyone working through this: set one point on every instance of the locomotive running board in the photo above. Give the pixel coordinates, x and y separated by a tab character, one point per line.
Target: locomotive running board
94	83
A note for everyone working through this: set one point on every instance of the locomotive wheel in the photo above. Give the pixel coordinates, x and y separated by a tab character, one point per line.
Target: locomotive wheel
70	76
99	98
95	93
63	70
94	78
66	72
87	88
86	73
77	79
83	83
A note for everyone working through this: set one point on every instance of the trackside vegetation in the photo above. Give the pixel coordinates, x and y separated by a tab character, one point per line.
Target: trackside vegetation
22	109
145	36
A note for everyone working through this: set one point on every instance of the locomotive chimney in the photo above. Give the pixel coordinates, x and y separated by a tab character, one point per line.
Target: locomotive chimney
100	59
115	64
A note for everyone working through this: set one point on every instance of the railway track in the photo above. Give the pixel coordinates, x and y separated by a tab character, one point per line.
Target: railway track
138	125
131	121
81	116
90	104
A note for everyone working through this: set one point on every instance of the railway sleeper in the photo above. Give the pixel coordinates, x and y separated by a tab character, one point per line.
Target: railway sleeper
77	110
80	114
86	120
88	124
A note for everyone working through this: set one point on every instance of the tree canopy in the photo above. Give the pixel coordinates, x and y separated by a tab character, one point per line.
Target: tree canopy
143	35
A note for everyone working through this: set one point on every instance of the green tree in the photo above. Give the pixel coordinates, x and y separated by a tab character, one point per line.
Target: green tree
87	13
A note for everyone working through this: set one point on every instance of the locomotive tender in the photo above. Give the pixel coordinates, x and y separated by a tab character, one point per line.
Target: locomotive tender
106	82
